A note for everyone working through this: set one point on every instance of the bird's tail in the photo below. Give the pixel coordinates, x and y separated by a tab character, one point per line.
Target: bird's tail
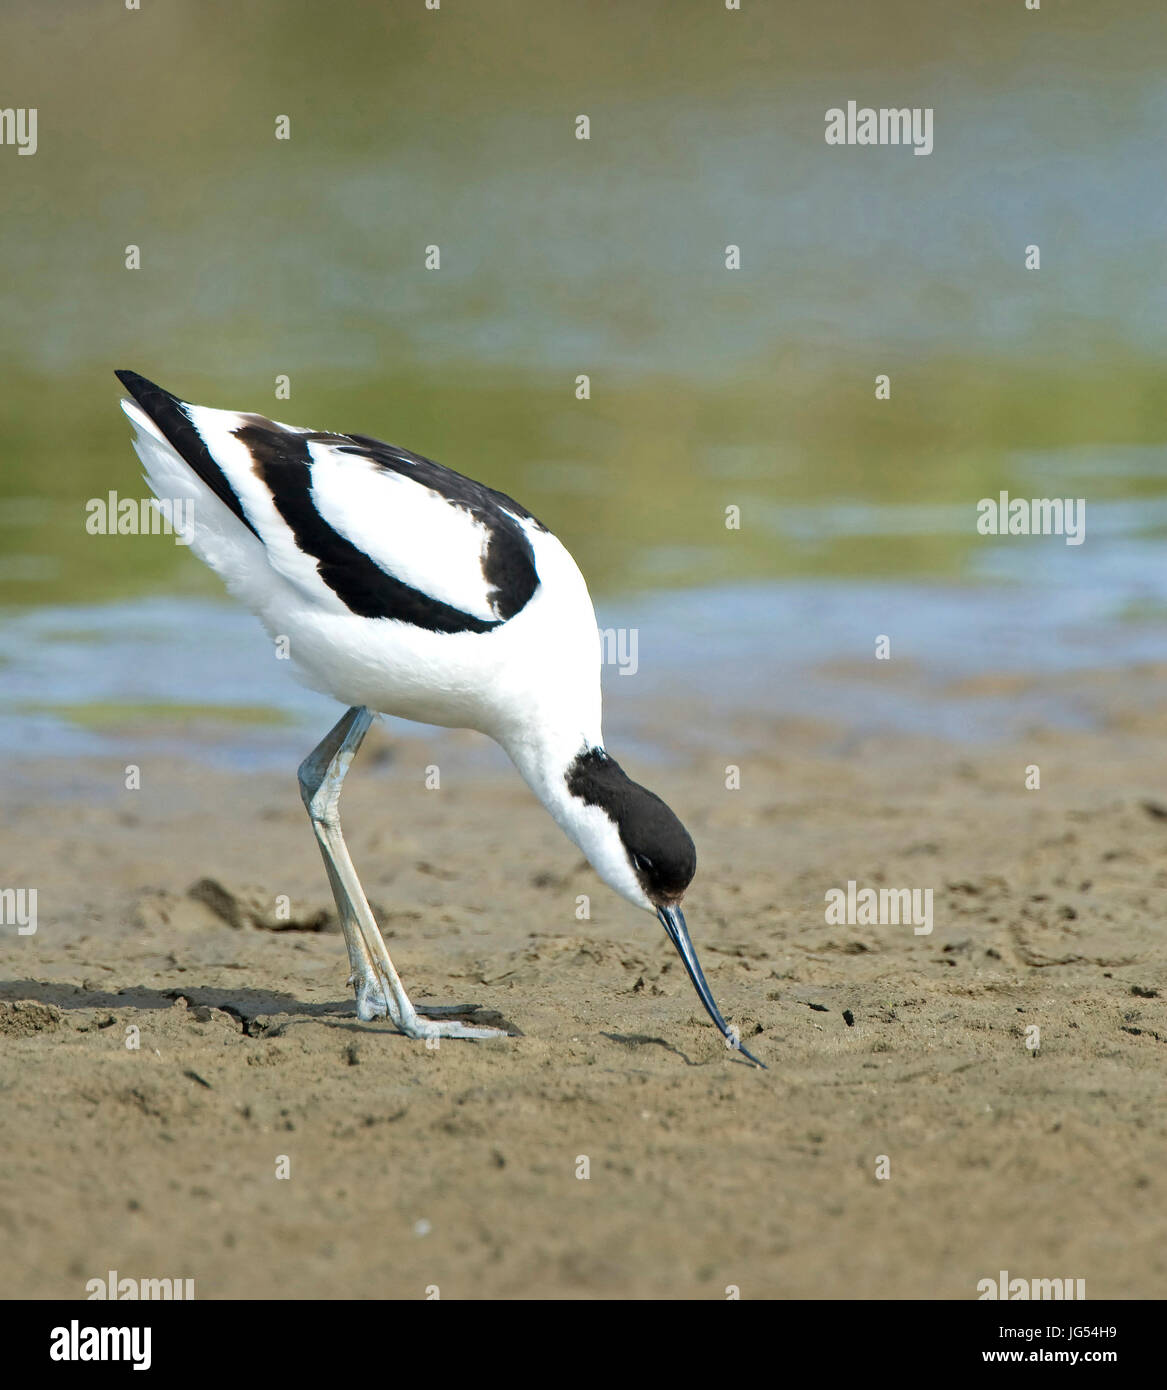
189	482
168	420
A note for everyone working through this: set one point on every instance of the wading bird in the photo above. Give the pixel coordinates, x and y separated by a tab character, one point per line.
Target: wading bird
404	588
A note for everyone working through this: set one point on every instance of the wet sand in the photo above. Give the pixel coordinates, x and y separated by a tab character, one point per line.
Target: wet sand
458	1167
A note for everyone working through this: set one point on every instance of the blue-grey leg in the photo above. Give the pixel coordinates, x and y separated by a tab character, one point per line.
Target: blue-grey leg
378	987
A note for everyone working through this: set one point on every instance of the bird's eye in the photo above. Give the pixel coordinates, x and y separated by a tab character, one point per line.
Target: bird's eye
643	863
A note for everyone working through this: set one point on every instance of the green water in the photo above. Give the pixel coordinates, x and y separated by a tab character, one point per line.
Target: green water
710	388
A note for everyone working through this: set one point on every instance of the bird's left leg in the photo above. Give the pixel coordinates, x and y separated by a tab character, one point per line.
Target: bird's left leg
379	988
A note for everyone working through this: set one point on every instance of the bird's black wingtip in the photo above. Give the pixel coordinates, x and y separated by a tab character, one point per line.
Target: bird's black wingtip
159	403
136	385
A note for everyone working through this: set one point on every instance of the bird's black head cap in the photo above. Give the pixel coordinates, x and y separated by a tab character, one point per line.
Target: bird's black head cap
658	845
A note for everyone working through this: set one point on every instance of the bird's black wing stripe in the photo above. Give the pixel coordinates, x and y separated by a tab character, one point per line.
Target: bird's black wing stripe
168	414
283	461
508	565
454	486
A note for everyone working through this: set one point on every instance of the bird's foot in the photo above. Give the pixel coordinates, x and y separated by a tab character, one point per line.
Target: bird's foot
422	1021
419	1027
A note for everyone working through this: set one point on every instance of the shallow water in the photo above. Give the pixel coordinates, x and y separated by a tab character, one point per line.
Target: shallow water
131	676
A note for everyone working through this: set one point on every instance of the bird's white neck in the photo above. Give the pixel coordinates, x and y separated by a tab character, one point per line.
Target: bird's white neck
544	758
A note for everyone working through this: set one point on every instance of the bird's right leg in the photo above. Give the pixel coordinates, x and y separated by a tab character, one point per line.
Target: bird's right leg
378	986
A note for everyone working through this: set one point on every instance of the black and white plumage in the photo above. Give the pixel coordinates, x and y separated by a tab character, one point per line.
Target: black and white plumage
404	588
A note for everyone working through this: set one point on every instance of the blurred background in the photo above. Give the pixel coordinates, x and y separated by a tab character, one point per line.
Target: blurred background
709	388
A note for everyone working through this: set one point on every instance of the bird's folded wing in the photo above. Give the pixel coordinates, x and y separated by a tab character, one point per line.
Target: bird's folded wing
379	531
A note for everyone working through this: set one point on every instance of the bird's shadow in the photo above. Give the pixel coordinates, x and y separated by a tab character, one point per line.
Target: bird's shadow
245	1005
643	1039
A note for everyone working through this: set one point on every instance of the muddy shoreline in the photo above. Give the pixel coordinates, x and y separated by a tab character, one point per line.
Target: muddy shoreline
457	1167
